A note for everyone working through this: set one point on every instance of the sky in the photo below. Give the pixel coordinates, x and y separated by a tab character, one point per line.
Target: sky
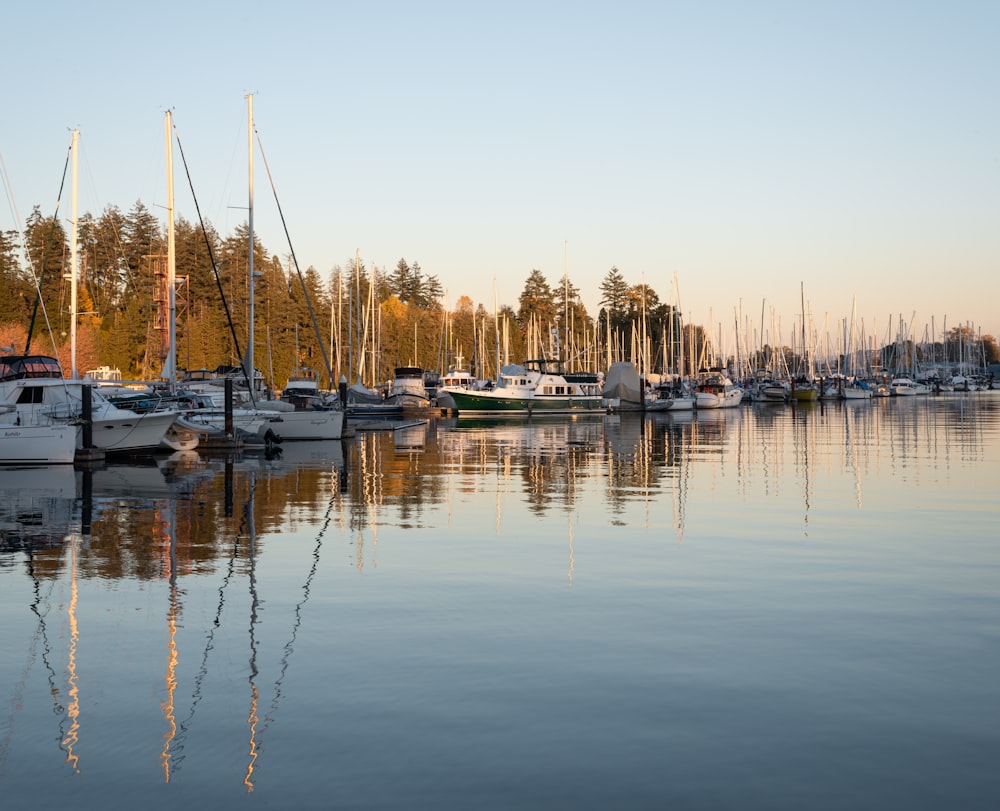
736	157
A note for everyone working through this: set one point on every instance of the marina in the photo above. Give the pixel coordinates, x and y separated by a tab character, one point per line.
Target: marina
763	607
538	407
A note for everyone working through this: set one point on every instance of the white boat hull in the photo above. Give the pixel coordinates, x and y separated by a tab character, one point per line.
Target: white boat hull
716	390
671	404
308	425
129	434
851	393
904	387
38	444
244	419
729	399
54	401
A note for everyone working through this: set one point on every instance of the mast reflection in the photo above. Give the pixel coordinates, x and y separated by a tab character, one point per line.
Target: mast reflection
72	736
170	677
252	715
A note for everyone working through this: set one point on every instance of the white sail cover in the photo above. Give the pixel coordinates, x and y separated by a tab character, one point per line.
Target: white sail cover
622	383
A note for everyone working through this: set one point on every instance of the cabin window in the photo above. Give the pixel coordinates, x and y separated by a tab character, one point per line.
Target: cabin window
31	395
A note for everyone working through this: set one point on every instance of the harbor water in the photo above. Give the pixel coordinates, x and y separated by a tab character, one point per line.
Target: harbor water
766	607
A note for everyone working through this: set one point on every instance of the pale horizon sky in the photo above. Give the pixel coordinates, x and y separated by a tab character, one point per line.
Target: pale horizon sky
746	148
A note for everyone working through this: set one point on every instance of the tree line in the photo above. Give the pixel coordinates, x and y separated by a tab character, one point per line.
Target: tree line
365	320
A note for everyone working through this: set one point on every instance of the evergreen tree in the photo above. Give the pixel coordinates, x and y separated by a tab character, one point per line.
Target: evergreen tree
202	332
573	313
141	243
537	312
233	262
402	282
536	300
16	288
507	320
47	247
461	331
991	352
431	292
105	272
614	297
308	344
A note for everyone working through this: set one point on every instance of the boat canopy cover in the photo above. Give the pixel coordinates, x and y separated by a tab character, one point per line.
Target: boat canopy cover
18	367
513	370
622	382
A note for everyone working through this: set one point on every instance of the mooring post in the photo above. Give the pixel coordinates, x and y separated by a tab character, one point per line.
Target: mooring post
230	433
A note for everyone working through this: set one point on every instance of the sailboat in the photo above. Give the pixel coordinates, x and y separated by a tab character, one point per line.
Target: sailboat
311	420
804	386
854	389
715	389
201	414
36	393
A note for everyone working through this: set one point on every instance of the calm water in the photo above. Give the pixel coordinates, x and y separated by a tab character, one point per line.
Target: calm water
769	607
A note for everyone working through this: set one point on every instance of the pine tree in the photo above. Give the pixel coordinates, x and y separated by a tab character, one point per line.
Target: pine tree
105	269
46	244
400	281
16	289
614	297
536	300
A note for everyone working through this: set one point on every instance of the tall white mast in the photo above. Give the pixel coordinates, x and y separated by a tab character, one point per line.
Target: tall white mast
496	331
567	343
170	362
74	265
248	357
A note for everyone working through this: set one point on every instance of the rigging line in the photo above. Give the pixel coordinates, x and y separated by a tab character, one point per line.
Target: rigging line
57	708
45	254
252	715
41	634
290	644
197	694
302	281
248	519
211	258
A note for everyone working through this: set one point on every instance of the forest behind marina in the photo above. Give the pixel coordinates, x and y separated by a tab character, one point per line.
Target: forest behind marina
366	320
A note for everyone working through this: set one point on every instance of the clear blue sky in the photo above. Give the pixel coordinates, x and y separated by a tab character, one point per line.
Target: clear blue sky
746	147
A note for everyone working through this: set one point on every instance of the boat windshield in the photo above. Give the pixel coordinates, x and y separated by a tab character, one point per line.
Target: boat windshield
19	367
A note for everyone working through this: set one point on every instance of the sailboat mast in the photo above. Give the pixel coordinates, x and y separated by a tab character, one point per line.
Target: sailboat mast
74	265
806	353
567	344
248	362
496	330
170	362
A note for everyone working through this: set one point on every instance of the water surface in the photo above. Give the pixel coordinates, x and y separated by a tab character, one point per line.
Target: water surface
767	607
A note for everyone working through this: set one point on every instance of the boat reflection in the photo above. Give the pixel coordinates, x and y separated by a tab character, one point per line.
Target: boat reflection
550	463
37	508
